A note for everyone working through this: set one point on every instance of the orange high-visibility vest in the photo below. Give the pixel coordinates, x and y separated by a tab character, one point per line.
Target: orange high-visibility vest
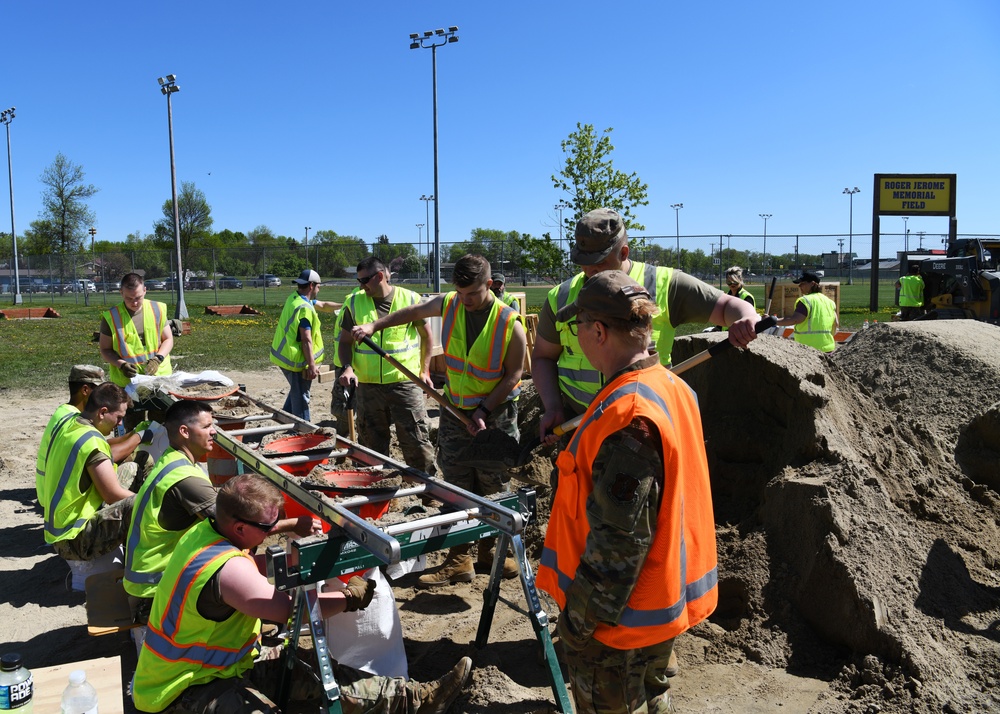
678	585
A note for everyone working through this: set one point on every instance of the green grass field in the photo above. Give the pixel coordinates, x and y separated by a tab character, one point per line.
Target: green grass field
41	352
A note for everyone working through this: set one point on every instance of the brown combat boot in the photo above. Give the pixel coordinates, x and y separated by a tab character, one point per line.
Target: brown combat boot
486	548
436	697
456	568
672	666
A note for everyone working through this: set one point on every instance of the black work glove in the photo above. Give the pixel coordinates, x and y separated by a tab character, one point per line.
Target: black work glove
359	593
153	364
129	370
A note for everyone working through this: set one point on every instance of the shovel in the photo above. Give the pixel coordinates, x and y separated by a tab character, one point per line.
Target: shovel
351	393
432	393
525	456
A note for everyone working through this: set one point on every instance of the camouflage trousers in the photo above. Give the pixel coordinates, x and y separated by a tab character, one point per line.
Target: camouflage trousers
105	531
454	439
255	691
381	406
613	681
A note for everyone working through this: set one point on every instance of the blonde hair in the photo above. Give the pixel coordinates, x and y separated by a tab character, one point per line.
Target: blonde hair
637	328
735	273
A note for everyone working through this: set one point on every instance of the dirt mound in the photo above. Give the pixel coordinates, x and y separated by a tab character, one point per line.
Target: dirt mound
857	511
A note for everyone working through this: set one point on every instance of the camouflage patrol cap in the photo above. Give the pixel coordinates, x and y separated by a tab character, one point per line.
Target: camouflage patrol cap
498	278
87	374
597	233
610	293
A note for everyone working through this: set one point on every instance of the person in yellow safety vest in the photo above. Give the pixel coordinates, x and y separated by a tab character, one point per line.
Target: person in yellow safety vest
385	396
630	554
911	294
565	379
815	317
80	477
135	336
297	347
499	289
734	279
338	396
176	495
82	380
484	345
202	651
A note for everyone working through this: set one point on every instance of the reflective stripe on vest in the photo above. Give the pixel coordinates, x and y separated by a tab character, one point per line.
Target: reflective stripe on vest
471	372
149	545
68	509
578	379
125	339
677	587
286	349
815	330
402	342
59	419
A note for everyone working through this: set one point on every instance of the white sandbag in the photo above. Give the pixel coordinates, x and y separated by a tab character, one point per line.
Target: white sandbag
371	639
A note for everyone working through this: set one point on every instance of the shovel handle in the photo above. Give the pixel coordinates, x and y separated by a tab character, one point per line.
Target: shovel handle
770	295
568	426
719	347
432	393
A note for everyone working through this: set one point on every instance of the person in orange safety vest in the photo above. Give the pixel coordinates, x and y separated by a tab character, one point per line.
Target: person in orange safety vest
630	553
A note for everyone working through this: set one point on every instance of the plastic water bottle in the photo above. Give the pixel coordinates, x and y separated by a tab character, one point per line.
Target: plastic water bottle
16	685
79	697
865	326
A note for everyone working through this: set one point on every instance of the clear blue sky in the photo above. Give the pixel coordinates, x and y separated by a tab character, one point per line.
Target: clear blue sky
318	113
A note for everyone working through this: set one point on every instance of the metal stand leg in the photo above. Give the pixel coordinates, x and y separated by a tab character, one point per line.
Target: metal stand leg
539	620
307	600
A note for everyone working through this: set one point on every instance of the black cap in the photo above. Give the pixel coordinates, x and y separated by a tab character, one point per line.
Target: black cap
10	661
807	276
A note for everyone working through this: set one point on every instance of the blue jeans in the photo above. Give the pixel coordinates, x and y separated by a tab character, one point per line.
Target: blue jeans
297	401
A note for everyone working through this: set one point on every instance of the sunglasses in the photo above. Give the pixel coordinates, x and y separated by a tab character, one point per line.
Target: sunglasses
364	281
266	527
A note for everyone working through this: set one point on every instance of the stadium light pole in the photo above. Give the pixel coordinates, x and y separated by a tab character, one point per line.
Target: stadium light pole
677	224
7	116
850	244
559	207
420	238
427	221
168	85
434	39
765	216
906	235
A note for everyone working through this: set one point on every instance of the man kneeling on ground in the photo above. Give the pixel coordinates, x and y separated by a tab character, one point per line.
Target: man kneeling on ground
202	652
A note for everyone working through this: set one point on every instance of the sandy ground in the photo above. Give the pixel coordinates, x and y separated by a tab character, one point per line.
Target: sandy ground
857	511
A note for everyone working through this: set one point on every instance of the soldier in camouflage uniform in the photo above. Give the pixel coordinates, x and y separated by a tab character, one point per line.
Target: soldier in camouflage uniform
484	345
640	567
203	655
79	477
385	396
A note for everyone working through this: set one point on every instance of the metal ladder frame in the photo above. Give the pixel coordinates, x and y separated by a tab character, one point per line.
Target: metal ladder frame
355	544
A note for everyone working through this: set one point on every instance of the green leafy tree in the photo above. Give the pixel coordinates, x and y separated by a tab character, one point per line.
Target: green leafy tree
194	217
539	256
591	181
65	217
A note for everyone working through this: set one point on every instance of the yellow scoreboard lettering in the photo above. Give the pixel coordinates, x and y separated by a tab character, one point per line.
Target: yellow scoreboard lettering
915	195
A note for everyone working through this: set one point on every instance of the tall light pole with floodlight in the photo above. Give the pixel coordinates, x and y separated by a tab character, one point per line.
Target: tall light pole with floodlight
93	259
427	221
6	116
850	244
434	39
765	216
168	85
420	240
677	225
906	234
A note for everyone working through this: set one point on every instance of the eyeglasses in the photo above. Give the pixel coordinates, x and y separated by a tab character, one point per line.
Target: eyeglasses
364	280
573	325
732	285
266	527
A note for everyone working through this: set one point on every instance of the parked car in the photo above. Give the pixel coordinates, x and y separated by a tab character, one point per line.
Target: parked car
155	285
268	280
200	284
228	282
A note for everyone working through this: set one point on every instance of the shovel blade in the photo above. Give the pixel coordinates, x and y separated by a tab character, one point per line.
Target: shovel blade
491	450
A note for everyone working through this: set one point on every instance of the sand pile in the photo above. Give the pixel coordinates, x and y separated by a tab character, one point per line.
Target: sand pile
857	512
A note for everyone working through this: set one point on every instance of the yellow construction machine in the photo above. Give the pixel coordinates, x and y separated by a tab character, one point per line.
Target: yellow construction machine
965	284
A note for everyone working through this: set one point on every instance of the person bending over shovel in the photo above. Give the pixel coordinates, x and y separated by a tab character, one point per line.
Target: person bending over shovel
484	346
